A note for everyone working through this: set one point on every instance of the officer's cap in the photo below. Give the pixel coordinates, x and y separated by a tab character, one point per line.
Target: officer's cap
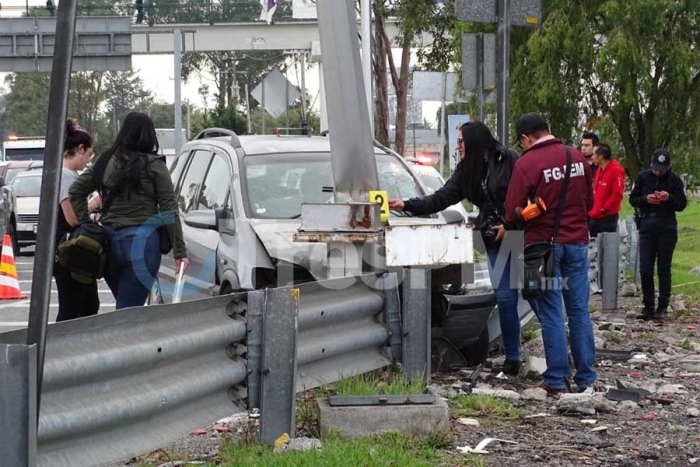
661	160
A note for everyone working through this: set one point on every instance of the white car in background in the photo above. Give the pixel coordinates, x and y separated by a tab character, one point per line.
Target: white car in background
432	181
25	191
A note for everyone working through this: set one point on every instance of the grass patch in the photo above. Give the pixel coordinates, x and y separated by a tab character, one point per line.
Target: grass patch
649	336
480	405
390	450
306	414
686	256
370	384
614	338
686	345
591	309
531	332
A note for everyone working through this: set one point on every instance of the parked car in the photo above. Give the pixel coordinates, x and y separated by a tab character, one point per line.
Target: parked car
240	200
10	169
25	190
432	180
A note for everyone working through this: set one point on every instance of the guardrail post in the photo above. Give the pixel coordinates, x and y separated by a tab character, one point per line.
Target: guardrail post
608	264
392	304
18	403
279	363
416	322
633	243
254	321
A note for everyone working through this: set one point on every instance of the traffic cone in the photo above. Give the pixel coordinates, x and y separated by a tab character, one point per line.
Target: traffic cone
9	285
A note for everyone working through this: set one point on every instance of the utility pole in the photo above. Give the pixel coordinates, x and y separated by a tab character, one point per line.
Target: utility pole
503	71
177	43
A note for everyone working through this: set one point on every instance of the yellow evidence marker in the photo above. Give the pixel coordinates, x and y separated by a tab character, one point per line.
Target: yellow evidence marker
382	198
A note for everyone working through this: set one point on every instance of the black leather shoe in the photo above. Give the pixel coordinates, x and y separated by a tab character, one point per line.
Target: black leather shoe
511	367
659	314
647	314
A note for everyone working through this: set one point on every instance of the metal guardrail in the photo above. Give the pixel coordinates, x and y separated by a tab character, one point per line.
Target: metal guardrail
628	255
122	384
18	410
315	334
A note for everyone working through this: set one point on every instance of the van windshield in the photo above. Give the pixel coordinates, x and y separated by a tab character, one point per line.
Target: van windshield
25	187
278	184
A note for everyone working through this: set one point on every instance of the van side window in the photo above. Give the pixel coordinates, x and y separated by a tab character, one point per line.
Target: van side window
192	181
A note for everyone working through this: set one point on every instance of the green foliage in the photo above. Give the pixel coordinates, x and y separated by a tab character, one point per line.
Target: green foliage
26	104
686	345
271	124
531	332
390	450
487	406
163	114
649	336
628	65
227	117
370	384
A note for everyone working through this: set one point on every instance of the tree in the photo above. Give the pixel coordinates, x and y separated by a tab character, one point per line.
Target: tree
628	65
224	66
125	92
27	103
163	114
632	63
295	119
227	117
87	94
414	17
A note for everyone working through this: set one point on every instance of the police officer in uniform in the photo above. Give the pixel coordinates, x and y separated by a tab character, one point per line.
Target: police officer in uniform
658	193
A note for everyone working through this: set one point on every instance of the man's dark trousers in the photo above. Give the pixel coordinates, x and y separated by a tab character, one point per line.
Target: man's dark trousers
657	240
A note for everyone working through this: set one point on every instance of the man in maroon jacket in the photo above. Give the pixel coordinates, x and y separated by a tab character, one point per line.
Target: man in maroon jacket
608	191
540	171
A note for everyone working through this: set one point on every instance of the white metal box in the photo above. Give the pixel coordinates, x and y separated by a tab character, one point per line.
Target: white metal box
423	242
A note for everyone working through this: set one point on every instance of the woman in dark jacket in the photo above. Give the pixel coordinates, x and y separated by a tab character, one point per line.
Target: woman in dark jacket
137	199
482	177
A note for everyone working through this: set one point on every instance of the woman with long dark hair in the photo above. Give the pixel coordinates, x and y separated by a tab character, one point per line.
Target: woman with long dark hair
482	177
138	198
75	299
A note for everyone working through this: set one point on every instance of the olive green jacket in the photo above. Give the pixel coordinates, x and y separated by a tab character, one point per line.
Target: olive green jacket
155	198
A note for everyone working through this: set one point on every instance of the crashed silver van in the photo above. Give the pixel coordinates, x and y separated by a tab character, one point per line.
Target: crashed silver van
240	202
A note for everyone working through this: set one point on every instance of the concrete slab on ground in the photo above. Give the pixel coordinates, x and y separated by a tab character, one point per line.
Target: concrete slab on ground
356	421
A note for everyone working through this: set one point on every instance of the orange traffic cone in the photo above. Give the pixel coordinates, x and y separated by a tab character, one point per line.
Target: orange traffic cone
9	285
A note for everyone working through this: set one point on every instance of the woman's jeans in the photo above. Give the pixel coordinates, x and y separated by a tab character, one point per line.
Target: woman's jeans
505	284
134	260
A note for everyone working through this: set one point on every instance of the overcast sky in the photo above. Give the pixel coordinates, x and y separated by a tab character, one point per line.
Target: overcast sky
157	70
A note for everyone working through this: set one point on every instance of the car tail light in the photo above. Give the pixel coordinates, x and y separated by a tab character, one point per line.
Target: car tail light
424	159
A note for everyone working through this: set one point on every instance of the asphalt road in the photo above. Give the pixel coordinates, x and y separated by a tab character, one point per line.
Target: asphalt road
14	314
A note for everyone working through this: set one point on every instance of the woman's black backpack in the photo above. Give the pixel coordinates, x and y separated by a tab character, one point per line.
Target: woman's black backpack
84	253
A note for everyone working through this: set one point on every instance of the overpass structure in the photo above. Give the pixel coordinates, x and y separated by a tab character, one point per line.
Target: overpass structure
107	43
297	35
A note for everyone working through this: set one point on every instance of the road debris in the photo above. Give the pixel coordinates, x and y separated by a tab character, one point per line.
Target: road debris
479	448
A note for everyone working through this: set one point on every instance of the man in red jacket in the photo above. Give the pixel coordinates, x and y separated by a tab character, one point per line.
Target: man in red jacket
540	171
608	190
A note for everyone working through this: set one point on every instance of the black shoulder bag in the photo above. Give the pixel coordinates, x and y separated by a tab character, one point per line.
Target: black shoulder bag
84	252
538	257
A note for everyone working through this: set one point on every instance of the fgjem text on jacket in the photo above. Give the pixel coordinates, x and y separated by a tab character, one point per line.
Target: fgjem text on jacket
557	173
